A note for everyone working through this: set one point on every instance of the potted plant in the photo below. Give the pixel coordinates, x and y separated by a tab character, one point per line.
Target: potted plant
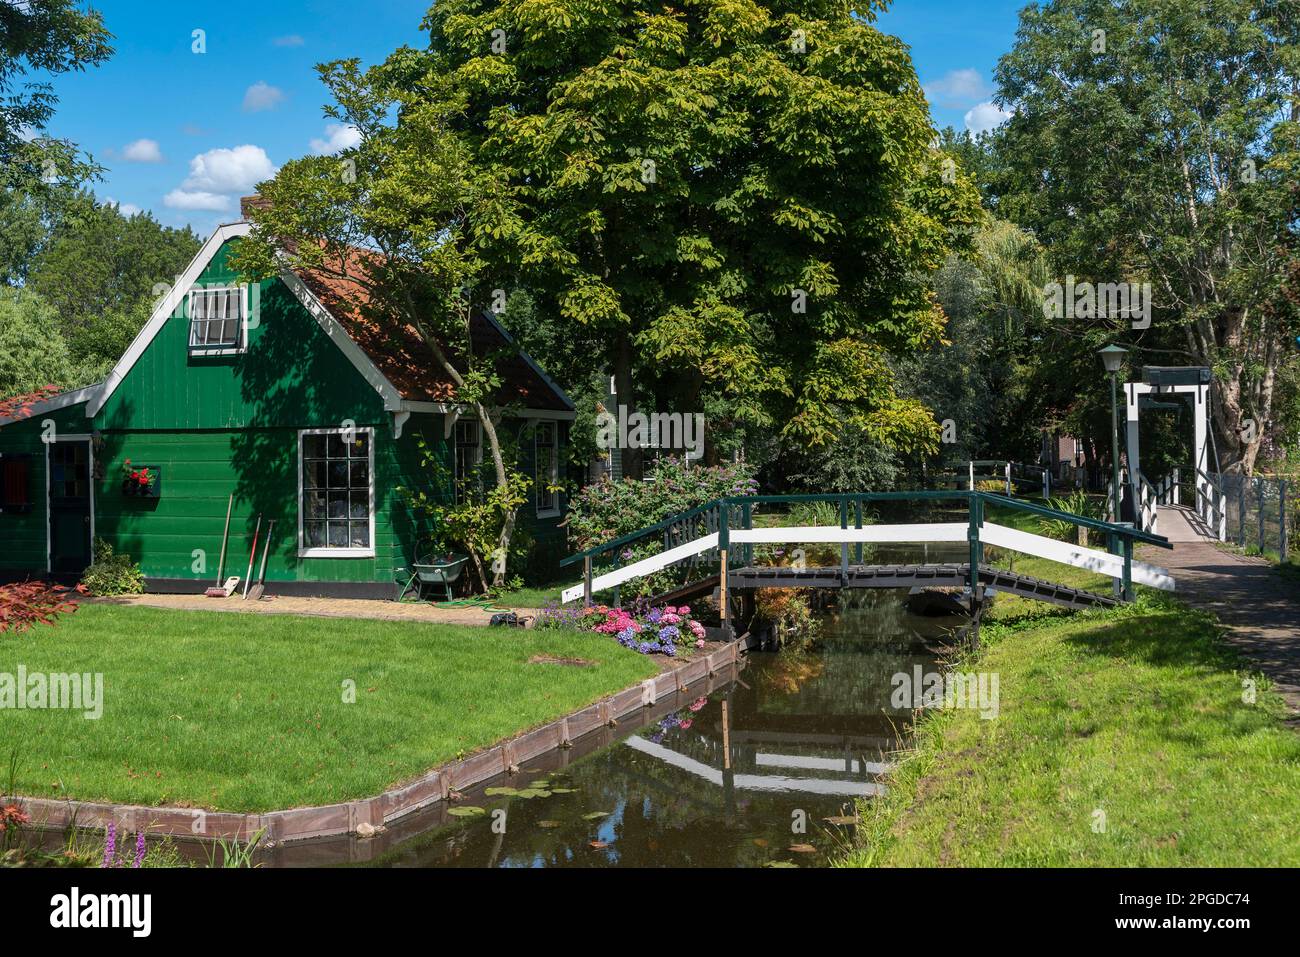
141	480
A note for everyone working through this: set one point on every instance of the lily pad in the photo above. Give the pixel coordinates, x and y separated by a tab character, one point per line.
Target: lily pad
468	810
533	793
509	792
564	790
780	864
596	815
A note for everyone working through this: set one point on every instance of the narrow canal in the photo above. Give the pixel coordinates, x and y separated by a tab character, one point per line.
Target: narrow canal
807	733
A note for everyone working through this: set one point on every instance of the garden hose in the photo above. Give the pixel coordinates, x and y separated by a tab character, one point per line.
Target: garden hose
478	601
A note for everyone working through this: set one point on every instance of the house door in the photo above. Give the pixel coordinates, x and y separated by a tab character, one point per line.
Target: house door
70	506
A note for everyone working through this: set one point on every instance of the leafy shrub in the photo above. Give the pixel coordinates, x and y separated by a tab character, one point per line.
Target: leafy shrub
992	485
1077	503
606	510
112	574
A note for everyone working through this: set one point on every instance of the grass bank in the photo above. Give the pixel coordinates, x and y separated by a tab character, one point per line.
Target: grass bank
1136	714
255	712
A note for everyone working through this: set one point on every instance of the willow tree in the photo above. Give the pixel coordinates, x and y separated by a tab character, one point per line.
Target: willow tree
736	195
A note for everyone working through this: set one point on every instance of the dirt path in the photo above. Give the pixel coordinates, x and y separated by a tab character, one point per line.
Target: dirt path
320	607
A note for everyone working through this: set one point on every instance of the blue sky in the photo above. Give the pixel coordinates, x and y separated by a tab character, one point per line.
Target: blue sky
184	134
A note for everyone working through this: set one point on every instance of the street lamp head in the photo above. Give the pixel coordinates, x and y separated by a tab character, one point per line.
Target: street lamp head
1112	357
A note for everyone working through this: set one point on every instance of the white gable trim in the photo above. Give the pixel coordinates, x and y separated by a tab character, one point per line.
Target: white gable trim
167	307
162	312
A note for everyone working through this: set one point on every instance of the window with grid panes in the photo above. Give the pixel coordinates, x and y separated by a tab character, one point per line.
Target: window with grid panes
336	498
217	319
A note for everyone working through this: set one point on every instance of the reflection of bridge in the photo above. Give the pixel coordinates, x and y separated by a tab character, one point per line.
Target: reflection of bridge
715	545
778	762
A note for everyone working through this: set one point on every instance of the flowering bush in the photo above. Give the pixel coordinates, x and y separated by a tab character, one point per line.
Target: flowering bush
647	629
606	510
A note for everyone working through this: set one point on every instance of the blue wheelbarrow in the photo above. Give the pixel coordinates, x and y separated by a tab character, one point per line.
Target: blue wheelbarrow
442	571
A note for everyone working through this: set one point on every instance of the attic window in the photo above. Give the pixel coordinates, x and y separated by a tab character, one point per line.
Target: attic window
218	317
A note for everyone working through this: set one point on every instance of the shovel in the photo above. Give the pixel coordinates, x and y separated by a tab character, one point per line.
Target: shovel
252	555
260	587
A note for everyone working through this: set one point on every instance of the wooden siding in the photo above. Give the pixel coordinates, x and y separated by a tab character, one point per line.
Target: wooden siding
23	543
291	375
199	472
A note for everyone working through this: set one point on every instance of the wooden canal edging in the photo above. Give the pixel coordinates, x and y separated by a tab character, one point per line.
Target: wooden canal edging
395	804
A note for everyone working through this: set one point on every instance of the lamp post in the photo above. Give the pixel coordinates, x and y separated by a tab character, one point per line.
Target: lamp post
1112	357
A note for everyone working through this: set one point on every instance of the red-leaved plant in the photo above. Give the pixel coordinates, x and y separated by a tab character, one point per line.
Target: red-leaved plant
24	604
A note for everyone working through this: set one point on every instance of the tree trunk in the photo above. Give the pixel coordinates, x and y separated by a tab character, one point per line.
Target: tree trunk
508	525
632	458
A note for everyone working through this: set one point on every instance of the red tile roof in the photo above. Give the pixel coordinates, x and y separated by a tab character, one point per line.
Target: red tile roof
406	361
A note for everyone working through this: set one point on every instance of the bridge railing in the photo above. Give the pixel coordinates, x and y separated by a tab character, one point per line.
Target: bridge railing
723	531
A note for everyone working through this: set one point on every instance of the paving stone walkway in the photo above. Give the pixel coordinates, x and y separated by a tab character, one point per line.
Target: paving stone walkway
1259	608
319	607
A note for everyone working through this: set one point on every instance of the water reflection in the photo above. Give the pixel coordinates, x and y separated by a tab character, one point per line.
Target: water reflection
745	776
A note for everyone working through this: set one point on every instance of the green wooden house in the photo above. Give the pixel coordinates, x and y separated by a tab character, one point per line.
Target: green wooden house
284	394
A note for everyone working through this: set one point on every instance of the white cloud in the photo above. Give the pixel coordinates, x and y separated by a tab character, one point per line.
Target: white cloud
219	175
984	117
235	170
196	199
126	209
292	40
142	151
262	96
338	137
957	88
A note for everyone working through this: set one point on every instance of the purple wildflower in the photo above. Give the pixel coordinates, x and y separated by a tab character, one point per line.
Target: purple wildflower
110	846
139	849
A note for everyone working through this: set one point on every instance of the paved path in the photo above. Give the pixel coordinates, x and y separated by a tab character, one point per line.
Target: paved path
318	607
1259	608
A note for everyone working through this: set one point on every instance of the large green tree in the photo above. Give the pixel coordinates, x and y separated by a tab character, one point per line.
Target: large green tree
49	37
1153	141
103	271
732	196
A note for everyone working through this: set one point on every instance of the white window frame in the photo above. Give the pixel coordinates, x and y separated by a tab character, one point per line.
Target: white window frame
335	551
242	347
554	477
456	446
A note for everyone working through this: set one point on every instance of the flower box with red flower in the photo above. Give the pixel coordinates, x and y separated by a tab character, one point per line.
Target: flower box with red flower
141	481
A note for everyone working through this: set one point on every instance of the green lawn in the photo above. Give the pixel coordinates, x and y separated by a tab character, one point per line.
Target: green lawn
247	712
1137	713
